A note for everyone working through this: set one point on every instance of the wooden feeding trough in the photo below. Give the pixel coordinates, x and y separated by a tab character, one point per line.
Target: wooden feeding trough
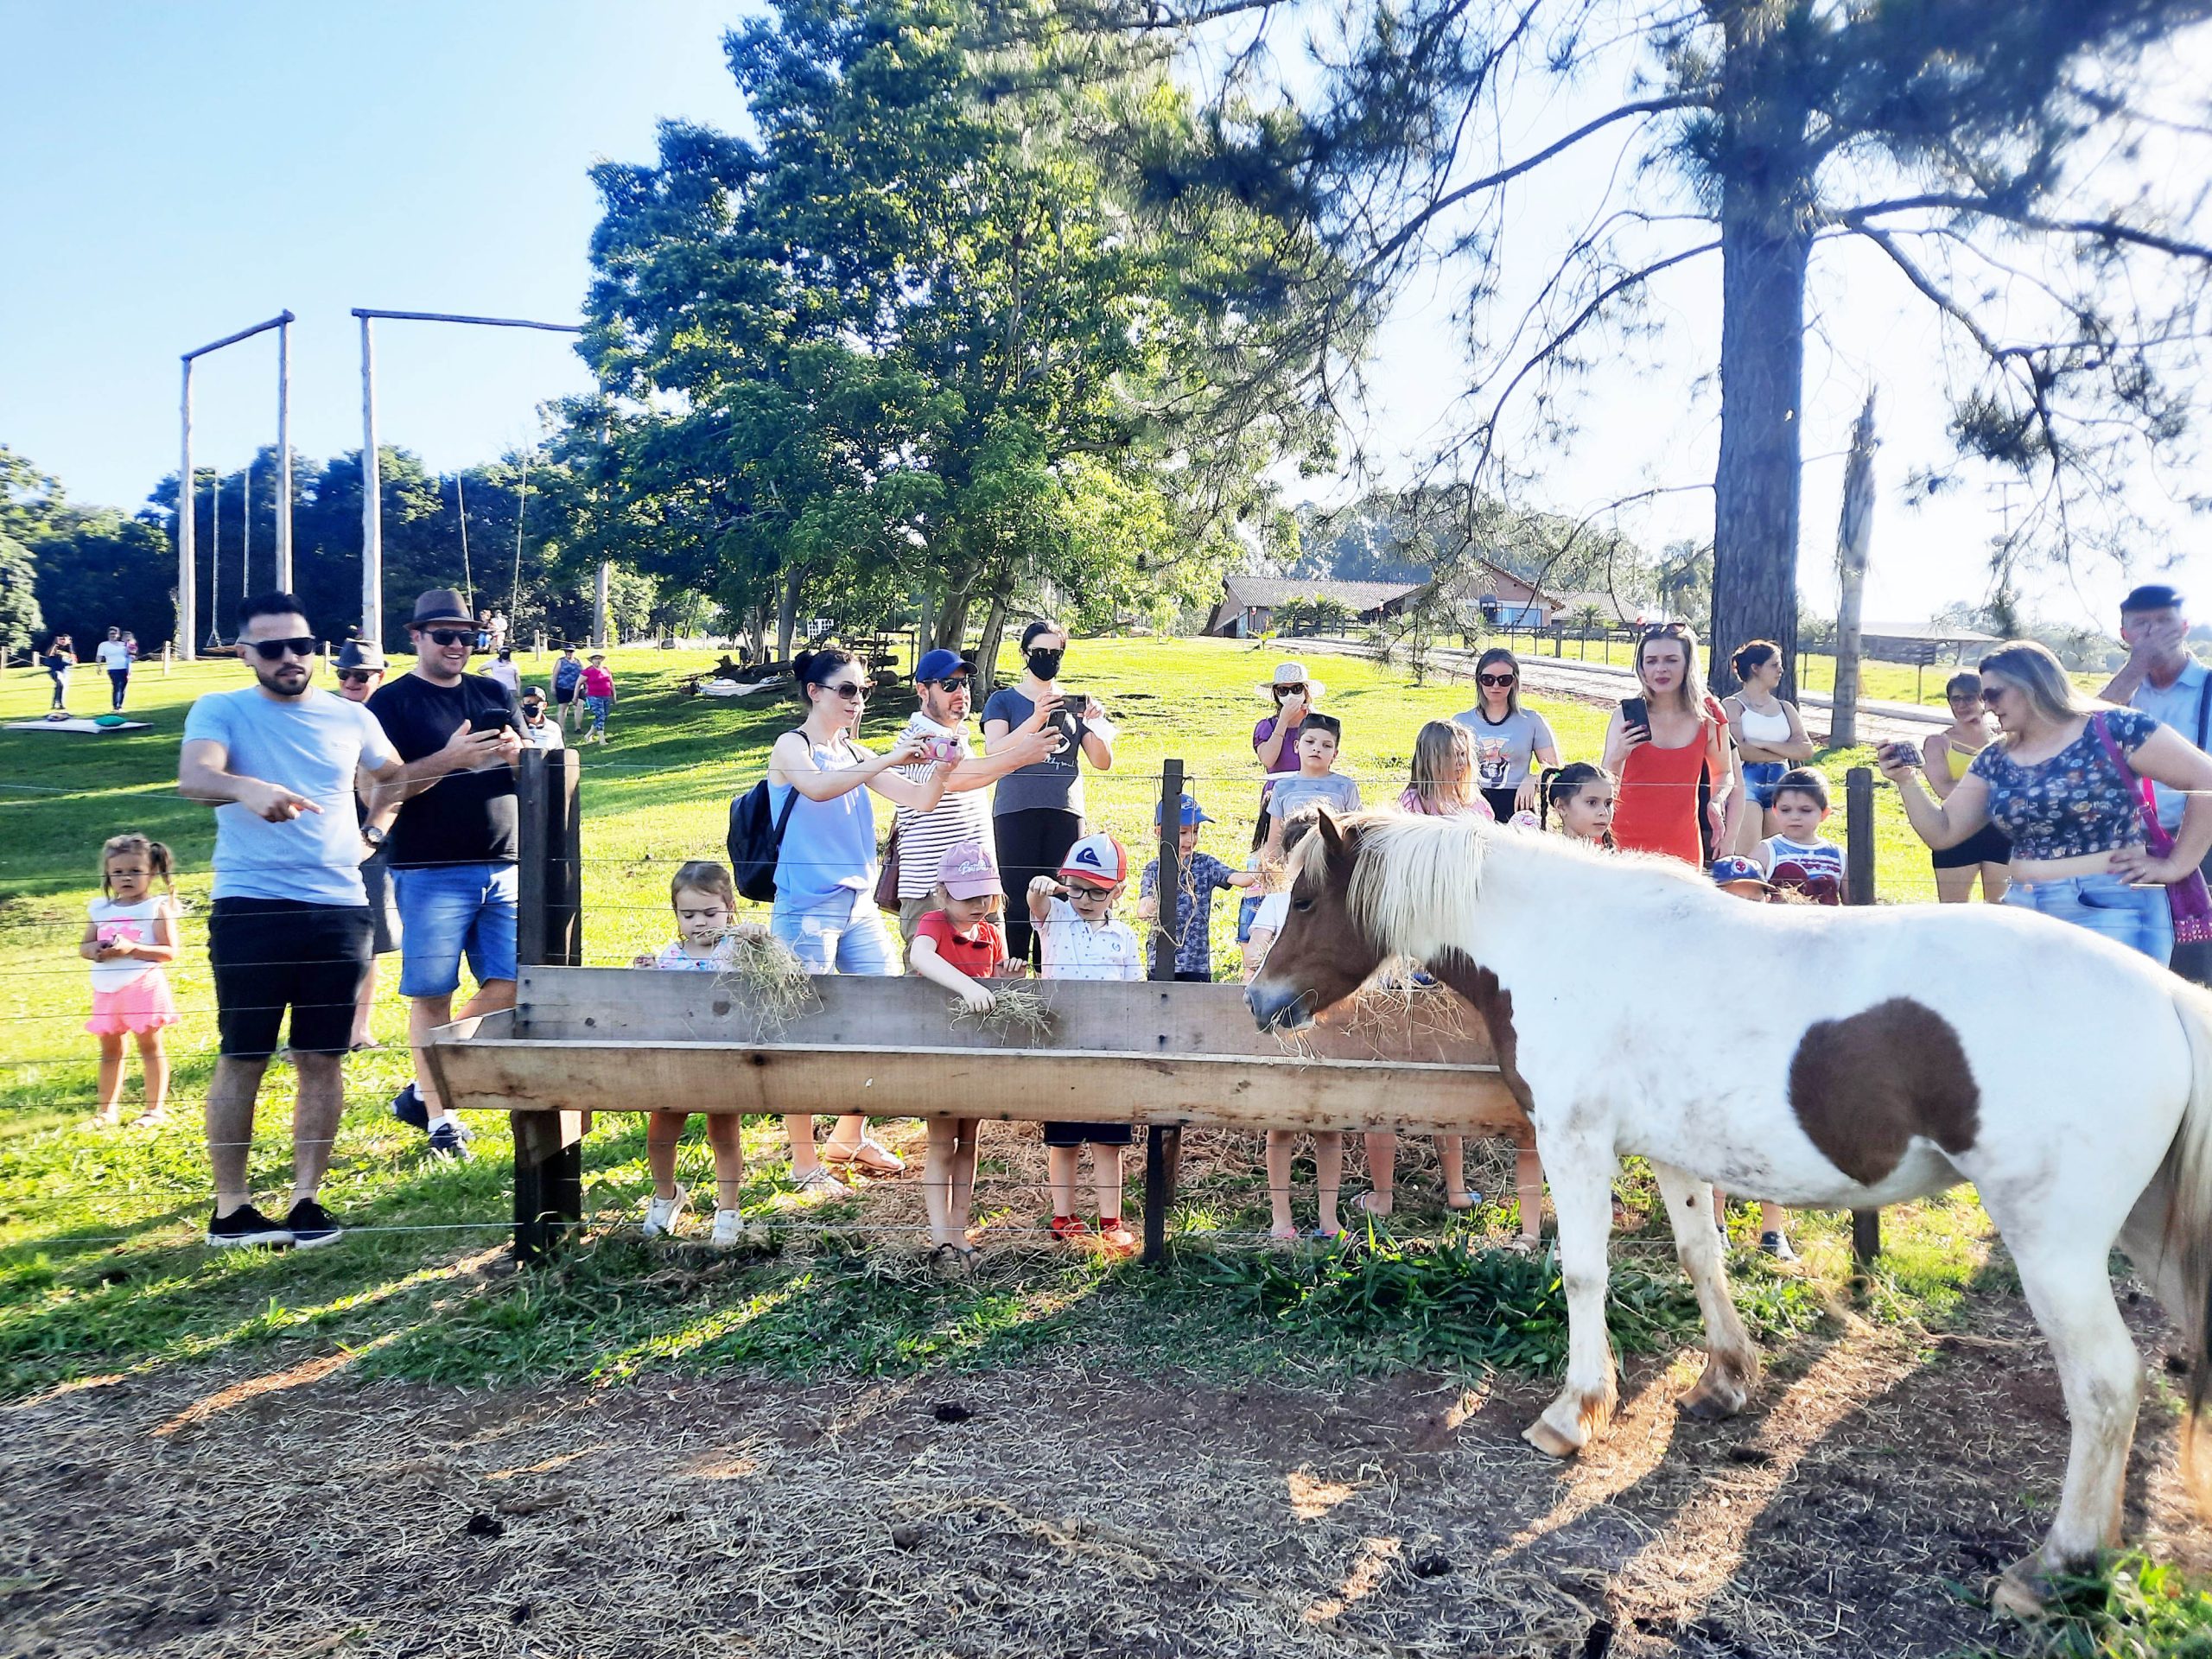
1162	1054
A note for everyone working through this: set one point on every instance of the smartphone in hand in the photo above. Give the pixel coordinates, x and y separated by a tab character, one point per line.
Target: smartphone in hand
1636	711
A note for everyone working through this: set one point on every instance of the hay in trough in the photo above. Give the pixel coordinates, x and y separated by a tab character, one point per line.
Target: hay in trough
768	980
1016	1011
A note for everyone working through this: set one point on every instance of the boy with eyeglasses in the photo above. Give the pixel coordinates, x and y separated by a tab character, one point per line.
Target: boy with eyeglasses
1080	938
289	927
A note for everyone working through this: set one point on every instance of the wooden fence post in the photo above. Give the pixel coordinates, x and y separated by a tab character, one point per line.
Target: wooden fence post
1859	889
548	932
1163	1143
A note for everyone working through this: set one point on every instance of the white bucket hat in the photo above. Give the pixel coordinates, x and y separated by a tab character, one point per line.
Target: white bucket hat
1291	673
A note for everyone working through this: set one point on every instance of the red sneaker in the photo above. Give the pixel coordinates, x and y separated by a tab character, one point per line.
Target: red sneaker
1115	1238
1068	1229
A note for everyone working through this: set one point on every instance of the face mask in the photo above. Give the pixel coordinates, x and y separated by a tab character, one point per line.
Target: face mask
1046	665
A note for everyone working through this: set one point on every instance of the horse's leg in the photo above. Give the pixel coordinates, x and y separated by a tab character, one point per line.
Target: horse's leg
2068	1285
1582	1176
1732	1363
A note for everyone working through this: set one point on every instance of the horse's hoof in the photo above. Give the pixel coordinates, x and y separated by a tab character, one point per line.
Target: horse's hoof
1548	1441
1709	1407
2019	1592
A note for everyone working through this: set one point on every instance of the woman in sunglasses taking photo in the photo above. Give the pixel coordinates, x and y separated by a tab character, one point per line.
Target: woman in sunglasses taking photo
1508	737
826	867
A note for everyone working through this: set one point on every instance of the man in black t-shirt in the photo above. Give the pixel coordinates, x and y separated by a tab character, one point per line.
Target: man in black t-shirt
454	847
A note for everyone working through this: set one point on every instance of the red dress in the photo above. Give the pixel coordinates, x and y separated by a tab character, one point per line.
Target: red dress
1657	812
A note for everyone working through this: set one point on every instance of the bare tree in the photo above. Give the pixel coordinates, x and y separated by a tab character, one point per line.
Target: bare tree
1855	533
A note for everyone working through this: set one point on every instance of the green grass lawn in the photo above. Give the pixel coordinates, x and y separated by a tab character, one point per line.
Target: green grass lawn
100	1272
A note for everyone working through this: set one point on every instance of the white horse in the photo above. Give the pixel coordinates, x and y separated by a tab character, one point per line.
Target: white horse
1887	1053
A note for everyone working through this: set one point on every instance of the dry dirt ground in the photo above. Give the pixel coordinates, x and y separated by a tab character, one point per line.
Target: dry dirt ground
1060	1509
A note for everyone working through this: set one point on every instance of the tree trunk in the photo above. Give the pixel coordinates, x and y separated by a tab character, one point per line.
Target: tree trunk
1854	532
787	612
1765	240
987	648
952	614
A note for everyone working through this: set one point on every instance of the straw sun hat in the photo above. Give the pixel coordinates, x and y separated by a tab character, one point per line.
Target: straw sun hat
1291	673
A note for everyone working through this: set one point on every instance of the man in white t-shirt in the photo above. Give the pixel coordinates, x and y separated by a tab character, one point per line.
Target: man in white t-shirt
115	656
2164	680
942	681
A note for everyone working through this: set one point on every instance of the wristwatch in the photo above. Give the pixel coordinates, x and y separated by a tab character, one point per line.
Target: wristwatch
371	834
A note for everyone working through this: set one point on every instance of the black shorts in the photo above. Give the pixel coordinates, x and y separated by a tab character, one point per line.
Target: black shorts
568	696
1087	1135
1987	845
271	954
383	909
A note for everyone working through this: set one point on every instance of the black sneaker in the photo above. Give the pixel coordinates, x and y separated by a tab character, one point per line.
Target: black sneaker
407	1106
447	1141
246	1228
311	1224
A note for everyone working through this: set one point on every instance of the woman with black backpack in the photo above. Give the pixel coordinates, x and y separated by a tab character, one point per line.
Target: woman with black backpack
818	784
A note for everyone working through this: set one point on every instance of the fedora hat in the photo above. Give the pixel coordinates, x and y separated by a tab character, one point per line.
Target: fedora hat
440	604
361	653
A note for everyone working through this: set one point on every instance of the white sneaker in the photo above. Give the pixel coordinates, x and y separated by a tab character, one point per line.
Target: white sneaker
730	1227
819	1183
661	1213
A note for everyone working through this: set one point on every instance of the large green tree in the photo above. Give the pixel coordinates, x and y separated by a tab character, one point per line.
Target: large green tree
2010	163
929	336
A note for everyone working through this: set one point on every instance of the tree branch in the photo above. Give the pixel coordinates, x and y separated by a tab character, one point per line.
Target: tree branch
2106	230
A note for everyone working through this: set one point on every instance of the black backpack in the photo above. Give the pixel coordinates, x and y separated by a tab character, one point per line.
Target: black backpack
755	838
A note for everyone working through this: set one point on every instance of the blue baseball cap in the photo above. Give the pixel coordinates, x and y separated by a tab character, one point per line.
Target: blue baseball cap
1191	813
941	664
1737	867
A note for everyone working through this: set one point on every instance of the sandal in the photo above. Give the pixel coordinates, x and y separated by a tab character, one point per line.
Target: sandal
819	1183
871	1157
1117	1239
1365	1204
151	1119
1283	1235
1069	1230
952	1261
1470	1199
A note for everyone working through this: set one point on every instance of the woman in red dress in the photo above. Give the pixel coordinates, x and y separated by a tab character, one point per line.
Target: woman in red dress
1660	764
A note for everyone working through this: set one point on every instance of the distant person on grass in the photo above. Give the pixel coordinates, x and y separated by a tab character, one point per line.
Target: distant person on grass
114	654
454	843
57	661
289	925
361	669
568	676
598	687
944	682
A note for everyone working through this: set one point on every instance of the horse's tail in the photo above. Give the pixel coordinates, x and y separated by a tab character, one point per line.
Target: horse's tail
2186	1177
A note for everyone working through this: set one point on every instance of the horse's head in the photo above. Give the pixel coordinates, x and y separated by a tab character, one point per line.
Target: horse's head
1322	955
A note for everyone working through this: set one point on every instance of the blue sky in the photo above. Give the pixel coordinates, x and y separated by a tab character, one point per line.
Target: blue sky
175	172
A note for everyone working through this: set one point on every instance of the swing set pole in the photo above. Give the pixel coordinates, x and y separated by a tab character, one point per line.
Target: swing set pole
187	597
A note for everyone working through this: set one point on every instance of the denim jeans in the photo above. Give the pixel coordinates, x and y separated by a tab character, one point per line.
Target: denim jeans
2137	918
842	934
449	910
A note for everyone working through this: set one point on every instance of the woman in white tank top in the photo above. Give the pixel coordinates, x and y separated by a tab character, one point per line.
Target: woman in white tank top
1767	732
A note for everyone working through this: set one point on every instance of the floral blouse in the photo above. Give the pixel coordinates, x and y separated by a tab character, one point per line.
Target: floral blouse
2076	801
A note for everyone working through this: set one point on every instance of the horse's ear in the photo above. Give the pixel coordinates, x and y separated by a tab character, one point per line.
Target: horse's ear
1330	834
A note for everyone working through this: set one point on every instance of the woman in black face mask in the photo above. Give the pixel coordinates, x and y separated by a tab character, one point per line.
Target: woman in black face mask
1037	810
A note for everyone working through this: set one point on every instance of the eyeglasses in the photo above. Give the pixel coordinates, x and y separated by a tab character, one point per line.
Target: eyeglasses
273	650
1665	630
450	636
850	690
957	683
1496	679
1290	691
357	676
1079	895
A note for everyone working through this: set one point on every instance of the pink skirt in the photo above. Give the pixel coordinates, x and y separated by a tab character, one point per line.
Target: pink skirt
141	1006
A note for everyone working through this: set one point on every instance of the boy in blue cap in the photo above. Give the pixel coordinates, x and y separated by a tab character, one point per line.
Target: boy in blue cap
1200	876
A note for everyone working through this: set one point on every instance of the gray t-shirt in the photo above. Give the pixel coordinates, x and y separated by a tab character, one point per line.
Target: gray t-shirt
1503	751
1333	790
1054	781
310	745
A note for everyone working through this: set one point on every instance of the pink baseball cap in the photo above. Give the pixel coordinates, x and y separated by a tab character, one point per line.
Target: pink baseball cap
968	871
1098	860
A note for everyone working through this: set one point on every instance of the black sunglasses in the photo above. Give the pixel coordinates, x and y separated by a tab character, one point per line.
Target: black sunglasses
357	676
450	636
951	682
1496	679
1290	691
273	650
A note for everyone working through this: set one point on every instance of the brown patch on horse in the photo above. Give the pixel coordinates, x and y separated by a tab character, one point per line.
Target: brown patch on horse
1495	1004
1863	1087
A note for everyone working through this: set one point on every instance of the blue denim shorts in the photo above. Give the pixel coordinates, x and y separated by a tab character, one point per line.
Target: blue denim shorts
1759	779
840	934
448	911
2139	917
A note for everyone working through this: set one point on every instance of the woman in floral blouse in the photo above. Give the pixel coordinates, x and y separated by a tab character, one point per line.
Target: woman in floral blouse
2061	781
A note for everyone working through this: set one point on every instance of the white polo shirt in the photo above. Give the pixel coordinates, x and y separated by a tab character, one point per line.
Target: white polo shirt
1076	949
